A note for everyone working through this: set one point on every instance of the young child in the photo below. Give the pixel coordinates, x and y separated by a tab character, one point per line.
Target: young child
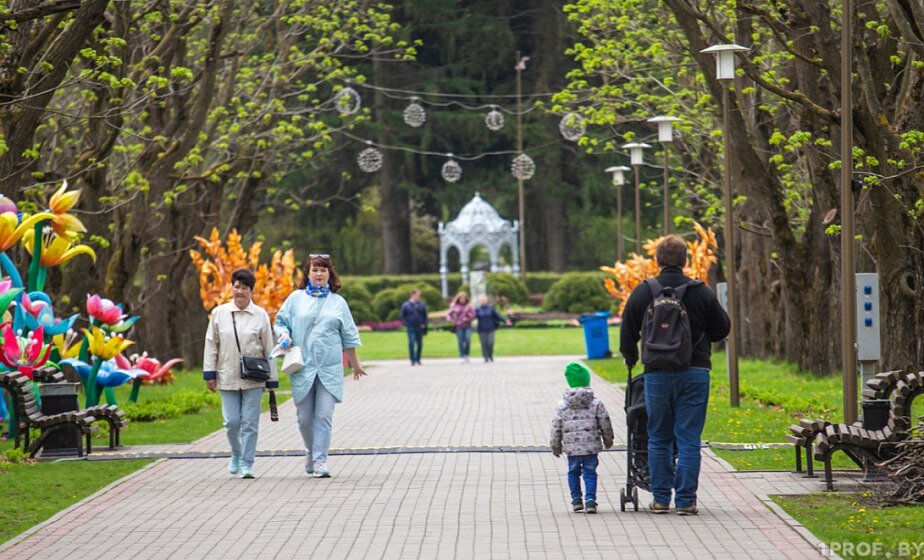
580	422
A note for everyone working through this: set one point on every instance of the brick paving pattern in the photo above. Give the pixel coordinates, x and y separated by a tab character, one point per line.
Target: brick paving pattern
420	505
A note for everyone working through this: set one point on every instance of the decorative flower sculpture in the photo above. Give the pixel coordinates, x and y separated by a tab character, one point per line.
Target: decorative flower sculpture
103	347
60	204
56	249
65	343
108	314
153	370
24	354
12	230
7	294
36	311
102	375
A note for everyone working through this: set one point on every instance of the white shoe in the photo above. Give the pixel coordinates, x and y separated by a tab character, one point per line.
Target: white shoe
321	470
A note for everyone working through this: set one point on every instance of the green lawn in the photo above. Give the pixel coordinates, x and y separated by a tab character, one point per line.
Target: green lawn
772	396
390	345
34	492
851	524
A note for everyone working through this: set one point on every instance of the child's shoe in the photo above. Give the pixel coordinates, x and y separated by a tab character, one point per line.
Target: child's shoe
590	506
577	504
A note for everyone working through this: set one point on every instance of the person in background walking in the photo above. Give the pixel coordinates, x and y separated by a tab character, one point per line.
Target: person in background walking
221	367
461	315
318	321
414	317
488	321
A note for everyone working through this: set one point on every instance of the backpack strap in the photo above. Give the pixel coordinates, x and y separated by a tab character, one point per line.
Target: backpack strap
680	291
654	286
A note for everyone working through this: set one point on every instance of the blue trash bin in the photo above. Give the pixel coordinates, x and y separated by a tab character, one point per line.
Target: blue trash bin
596	335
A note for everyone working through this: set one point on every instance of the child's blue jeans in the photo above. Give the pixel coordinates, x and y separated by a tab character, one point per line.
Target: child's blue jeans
586	466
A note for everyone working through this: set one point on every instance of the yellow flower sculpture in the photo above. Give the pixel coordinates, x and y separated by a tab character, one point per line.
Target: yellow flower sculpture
11	230
103	346
65	343
60	204
56	249
628	275
215	264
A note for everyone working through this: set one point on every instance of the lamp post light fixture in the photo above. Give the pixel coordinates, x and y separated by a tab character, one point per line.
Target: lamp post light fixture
619	179
725	72
665	137
637	158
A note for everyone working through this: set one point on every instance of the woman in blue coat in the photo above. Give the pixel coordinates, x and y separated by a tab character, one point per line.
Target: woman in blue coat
318	321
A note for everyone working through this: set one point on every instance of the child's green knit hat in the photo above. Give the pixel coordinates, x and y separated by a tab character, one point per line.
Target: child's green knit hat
577	375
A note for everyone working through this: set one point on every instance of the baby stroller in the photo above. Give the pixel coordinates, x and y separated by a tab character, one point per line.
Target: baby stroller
637	475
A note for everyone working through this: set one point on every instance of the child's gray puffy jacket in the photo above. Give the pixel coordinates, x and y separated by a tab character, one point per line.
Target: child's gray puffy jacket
580	422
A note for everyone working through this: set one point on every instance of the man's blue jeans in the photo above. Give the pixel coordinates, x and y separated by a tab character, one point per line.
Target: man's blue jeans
676	404
240	411
586	466
415	343
464	338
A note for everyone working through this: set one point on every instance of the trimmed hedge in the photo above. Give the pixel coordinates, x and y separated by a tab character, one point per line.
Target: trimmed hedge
578	292
508	285
387	303
360	302
375	284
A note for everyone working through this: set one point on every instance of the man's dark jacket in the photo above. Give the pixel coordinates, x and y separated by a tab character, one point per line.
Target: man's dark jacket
708	321
414	315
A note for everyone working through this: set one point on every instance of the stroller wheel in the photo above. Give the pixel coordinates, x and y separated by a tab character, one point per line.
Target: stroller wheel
622	499
635	498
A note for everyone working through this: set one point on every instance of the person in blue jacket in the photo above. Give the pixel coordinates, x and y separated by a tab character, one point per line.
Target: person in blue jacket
318	322
414	317
488	321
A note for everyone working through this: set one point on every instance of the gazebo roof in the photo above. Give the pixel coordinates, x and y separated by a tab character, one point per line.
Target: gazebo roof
477	212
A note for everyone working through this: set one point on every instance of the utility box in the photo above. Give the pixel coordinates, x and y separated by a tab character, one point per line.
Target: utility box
869	348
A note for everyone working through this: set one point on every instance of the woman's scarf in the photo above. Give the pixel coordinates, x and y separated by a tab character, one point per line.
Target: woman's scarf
317	291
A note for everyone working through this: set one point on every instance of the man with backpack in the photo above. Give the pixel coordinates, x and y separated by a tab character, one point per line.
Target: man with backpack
677	319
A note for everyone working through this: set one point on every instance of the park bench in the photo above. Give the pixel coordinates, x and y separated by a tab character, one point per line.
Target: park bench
855	441
27	413
112	415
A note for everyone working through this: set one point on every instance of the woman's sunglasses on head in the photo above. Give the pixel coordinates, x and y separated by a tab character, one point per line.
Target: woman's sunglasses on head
318	256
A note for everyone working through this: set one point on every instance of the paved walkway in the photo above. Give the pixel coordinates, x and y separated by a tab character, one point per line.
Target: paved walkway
419	505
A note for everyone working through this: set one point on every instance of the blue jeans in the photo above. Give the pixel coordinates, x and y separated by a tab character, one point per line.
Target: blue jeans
676	404
315	414
240	411
415	343
586	466
464	338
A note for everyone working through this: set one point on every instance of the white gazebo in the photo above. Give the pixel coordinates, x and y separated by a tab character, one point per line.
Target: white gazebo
478	223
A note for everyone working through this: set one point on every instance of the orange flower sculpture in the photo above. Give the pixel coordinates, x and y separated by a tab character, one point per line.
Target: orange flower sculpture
216	262
628	275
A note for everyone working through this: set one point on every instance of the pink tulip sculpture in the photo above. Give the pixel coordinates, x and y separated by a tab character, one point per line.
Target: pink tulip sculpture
24	354
152	366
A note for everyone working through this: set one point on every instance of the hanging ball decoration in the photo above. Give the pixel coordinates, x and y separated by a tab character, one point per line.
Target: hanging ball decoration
347	101
414	114
572	127
523	167
370	160
451	171
494	120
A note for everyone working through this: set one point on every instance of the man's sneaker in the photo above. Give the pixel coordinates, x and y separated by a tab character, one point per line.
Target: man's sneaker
655	507
309	464
689	510
590	506
577	504
234	465
246	472
321	470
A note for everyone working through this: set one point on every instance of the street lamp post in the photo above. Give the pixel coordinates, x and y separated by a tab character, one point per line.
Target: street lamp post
520	66
666	136
848	279
725	73
619	179
637	158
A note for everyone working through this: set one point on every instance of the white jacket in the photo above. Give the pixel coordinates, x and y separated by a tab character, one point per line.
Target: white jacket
222	361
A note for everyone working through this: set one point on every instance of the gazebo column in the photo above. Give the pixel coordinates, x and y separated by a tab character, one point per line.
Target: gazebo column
464	256
515	247
494	255
444	270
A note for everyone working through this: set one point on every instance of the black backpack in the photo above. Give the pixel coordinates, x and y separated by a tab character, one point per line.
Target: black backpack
666	336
